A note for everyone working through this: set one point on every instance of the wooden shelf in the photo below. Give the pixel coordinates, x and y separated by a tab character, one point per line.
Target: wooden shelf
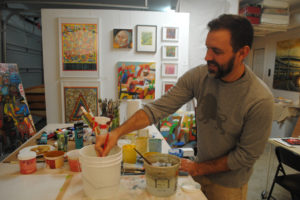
264	29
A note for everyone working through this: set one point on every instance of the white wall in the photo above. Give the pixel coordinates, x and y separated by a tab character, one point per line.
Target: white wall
109	19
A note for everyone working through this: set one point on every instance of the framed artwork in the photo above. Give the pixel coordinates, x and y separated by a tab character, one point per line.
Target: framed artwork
78	47
122	38
76	94
287	65
136	80
169	69
169	52
170	34
146	38
16	123
166	85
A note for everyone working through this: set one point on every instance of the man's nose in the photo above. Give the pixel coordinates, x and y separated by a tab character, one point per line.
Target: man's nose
208	55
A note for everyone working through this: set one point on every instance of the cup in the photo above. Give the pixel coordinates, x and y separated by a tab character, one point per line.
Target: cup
142	144
129	154
73	160
27	162
154	145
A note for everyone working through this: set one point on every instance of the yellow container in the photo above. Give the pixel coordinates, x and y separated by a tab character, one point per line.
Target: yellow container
142	144
129	154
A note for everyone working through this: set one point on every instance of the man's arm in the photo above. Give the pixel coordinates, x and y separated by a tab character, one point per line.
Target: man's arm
204	168
137	121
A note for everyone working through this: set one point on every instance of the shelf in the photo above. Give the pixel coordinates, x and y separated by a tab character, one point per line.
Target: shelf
264	29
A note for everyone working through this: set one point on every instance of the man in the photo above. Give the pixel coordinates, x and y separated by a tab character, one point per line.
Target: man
233	115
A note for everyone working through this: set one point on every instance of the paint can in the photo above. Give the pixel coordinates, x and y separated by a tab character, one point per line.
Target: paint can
73	159
54	159
27	162
162	174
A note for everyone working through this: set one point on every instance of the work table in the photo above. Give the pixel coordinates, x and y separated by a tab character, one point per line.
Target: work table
63	184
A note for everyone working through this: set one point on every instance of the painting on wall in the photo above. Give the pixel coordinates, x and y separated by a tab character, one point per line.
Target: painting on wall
169	69
287	65
78	43
167	85
16	124
170	34
76	94
136	80
122	38
146	38
170	52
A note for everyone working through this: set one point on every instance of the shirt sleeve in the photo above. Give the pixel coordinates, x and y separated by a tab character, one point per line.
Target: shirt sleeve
178	95
256	131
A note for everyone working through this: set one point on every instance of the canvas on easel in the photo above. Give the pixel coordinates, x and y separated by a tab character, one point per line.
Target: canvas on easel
16	124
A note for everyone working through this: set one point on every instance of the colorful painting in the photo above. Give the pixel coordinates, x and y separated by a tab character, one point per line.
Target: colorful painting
79	46
16	124
167	85
287	65
136	80
169	69
170	33
77	96
122	38
170	52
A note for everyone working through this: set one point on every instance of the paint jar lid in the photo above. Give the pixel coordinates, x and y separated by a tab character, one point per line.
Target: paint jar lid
27	155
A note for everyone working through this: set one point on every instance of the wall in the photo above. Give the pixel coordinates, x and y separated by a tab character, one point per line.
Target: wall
109	19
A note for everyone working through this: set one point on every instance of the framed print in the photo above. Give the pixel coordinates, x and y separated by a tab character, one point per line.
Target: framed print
122	38
136	80
170	52
170	34
169	69
76	94
78	47
146	38
166	85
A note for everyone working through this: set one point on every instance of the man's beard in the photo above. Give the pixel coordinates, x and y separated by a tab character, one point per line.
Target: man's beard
222	70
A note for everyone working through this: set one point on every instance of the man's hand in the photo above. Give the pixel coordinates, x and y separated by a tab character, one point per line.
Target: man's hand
189	166
100	140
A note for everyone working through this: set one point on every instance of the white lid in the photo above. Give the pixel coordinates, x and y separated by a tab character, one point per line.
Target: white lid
26	155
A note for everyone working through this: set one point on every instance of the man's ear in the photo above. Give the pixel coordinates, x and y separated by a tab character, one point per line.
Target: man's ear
243	52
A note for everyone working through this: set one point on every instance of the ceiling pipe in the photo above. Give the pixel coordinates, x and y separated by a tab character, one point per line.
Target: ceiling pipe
82	4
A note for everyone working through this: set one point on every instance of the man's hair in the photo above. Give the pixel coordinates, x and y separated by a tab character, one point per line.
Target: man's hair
240	28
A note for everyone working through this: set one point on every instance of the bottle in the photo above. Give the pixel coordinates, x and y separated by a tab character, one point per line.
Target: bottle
78	126
103	129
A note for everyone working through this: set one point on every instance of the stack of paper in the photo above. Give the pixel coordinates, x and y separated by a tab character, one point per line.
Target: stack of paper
275	12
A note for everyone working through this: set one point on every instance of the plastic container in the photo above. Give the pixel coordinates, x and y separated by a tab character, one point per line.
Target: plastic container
142	144
154	145
129	154
73	159
162	181
27	162
100	175
54	159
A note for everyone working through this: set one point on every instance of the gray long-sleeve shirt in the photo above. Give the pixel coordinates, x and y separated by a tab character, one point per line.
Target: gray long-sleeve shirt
232	119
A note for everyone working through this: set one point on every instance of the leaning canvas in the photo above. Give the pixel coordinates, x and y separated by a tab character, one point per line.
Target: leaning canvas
16	123
136	80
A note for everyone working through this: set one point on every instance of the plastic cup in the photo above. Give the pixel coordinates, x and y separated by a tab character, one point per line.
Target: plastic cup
129	154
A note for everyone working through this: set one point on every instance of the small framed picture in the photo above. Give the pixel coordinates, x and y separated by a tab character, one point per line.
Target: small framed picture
146	38
170	34
169	69
170	52
166	85
122	38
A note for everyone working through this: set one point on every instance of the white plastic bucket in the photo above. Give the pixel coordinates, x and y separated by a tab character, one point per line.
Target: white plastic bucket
100	175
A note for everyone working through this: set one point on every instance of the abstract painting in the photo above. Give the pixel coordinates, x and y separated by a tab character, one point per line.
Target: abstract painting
167	85
169	69
77	94
16	124
170	34
79	47
287	65
122	38
169	52
136	80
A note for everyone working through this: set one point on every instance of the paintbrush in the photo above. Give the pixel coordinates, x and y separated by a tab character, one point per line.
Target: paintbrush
143	157
90	119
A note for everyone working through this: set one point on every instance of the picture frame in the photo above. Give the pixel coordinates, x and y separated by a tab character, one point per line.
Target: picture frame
169	69
166	85
170	52
146	38
78	47
75	94
122	38
170	34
